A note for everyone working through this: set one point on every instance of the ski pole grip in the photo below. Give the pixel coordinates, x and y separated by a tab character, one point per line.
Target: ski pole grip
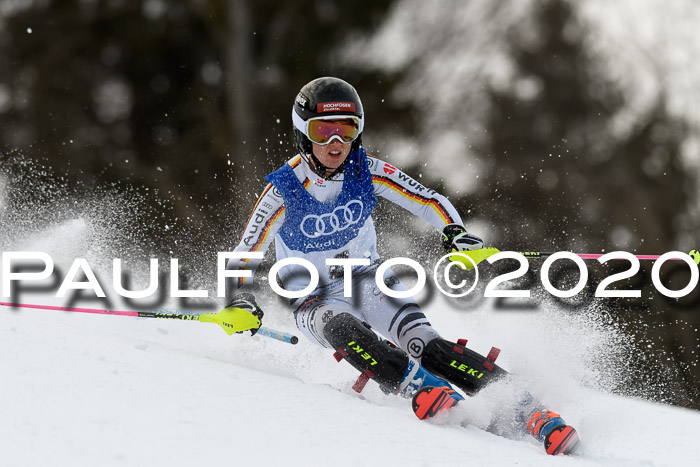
279	335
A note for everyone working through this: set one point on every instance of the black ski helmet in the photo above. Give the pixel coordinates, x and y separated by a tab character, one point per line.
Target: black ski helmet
324	97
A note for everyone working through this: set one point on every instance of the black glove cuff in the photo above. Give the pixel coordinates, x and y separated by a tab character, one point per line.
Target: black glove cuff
247	302
449	233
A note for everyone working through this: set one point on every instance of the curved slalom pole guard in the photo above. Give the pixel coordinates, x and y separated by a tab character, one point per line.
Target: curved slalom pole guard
223	318
476	255
232	320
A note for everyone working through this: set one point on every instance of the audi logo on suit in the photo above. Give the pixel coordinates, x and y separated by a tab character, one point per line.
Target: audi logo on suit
342	217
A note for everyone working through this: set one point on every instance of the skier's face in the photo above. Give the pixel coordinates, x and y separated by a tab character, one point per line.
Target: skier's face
333	154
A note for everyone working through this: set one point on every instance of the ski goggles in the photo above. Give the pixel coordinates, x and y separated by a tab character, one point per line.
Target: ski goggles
322	130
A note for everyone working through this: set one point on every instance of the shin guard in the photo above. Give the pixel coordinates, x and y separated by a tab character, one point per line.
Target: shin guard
366	351
461	366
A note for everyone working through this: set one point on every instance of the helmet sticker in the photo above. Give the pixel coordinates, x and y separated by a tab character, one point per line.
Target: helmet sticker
301	100
335	107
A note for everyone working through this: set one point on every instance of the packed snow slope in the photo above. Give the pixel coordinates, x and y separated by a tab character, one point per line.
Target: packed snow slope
93	390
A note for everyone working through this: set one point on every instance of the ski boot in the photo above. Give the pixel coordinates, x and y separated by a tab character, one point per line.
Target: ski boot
417	377
548	427
430	401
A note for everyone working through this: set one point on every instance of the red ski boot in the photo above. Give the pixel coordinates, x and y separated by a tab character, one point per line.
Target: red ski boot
549	427
430	401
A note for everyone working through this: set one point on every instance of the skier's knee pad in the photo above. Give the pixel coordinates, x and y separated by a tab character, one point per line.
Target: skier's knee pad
465	368
366	351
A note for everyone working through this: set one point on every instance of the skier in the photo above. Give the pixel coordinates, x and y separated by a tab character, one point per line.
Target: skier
318	206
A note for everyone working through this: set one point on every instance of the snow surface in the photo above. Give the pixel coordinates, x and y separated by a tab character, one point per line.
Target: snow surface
88	390
93	390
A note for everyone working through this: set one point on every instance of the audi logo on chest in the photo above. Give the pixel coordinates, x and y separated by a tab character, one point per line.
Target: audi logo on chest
342	217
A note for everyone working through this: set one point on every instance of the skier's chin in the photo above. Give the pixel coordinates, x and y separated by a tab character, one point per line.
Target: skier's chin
335	161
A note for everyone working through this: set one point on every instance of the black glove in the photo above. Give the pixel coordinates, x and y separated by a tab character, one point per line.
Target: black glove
456	238
246	301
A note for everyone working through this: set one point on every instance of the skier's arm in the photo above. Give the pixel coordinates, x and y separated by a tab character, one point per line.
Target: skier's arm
264	222
394	185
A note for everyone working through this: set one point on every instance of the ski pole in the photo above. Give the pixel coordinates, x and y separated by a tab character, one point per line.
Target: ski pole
542	254
226	318
280	336
481	254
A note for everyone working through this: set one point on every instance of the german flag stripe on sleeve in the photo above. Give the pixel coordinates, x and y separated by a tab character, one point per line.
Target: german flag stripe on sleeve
261	240
295	162
433	203
267	188
266	229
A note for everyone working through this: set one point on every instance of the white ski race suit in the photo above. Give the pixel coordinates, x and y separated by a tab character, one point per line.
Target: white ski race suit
313	218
